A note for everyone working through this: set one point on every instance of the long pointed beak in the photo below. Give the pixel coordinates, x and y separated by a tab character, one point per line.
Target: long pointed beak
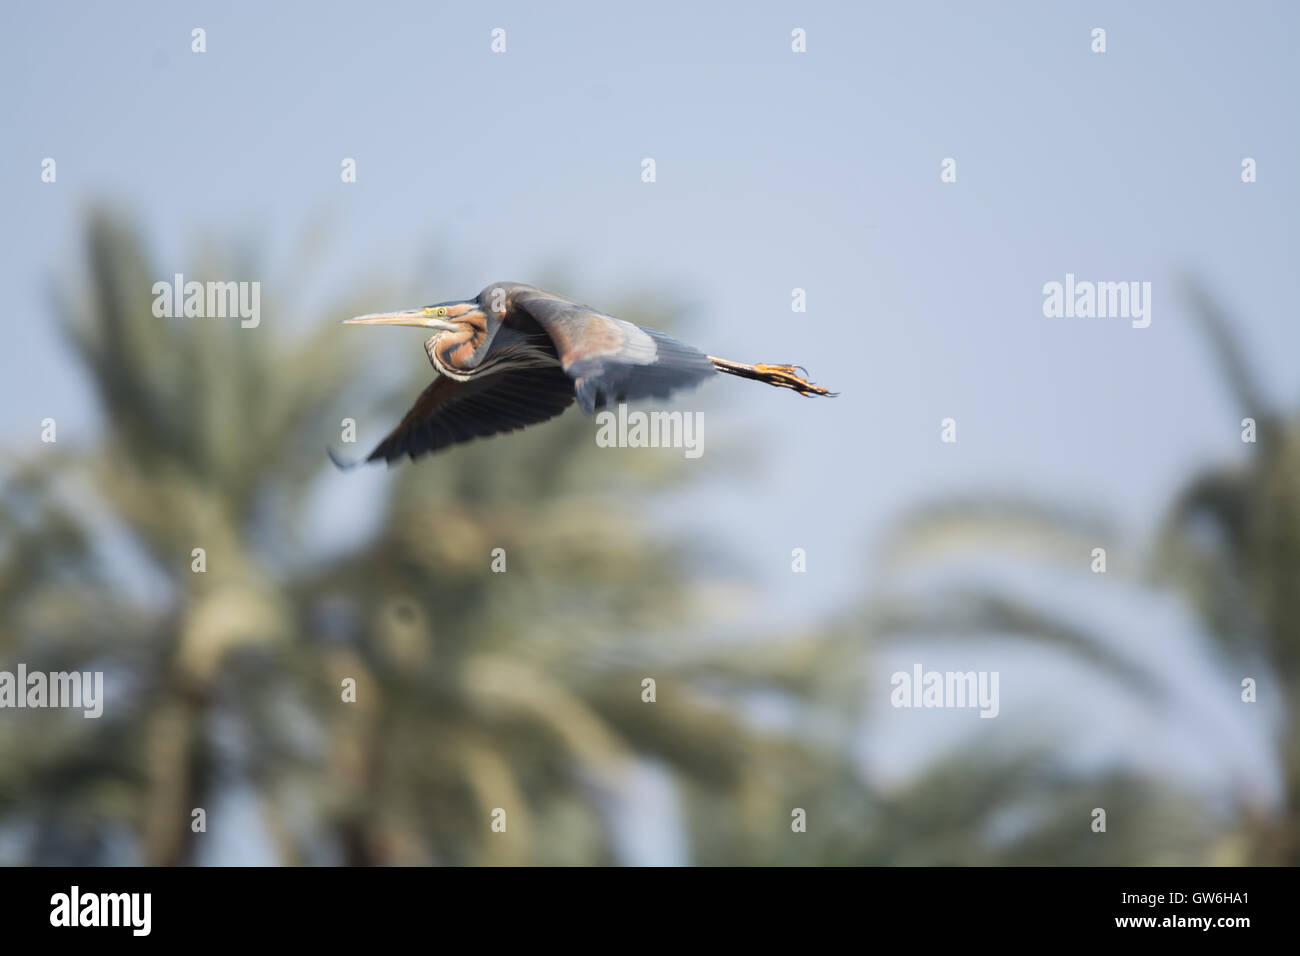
415	317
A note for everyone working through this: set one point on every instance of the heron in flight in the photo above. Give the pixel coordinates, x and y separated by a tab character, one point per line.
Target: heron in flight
515	355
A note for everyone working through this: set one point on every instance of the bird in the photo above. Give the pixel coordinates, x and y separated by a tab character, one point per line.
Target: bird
516	355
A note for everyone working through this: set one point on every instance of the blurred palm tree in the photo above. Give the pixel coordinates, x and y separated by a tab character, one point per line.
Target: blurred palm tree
475	691
1229	545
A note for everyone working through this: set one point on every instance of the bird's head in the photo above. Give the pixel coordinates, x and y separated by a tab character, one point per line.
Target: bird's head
445	316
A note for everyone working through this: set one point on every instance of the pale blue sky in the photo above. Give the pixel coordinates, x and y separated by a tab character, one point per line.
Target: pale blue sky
775	170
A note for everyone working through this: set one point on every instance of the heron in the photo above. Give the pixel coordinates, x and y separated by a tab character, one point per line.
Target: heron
515	355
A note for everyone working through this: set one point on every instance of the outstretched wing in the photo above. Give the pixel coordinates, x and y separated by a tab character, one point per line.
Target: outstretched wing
611	360
451	411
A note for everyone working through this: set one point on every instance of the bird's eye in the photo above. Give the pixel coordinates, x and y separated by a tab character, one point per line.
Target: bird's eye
442	311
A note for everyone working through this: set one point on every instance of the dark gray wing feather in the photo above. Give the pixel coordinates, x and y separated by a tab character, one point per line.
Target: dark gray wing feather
450	411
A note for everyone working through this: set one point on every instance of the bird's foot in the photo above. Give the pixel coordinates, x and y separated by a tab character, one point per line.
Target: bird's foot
782	376
787	376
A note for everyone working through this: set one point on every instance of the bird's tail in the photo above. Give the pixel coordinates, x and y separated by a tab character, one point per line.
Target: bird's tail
782	376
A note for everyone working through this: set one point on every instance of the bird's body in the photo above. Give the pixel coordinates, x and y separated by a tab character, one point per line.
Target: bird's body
516	355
